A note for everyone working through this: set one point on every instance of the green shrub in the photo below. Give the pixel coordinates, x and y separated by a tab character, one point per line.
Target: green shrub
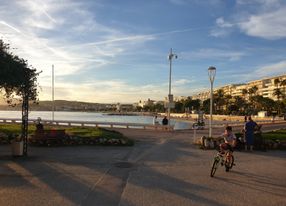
75	135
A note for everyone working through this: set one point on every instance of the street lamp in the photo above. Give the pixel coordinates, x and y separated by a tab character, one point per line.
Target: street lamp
212	72
53	93
170	96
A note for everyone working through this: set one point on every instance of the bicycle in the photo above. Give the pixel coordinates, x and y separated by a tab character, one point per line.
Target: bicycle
199	125
226	159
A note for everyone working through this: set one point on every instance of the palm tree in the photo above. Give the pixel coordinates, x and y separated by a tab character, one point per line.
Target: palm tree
252	97
283	84
240	103
244	92
276	82
253	90
280	106
267	104
227	102
219	99
277	92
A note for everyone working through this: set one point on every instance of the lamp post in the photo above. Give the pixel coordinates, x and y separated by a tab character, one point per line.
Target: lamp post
53	94
170	96
212	72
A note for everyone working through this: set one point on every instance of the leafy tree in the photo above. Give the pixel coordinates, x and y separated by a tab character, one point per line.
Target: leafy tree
179	107
228	102
233	109
196	103
267	104
206	106
18	79
279	106
146	108
219	101
138	109
158	107
192	104
241	105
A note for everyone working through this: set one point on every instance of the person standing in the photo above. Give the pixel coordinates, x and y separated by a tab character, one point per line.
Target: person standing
249	128
155	121
165	121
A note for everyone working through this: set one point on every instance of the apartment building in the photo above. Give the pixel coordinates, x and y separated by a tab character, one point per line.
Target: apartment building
265	87
202	96
238	91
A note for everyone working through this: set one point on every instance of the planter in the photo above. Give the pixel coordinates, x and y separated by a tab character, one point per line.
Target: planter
17	148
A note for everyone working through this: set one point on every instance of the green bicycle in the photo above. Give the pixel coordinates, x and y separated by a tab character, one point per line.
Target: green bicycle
225	159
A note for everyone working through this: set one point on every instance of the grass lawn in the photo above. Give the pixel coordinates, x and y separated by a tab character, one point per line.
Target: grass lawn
275	135
80	134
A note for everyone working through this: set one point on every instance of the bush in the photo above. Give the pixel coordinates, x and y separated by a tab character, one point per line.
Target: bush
74	136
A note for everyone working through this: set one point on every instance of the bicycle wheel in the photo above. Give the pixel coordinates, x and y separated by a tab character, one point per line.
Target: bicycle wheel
214	166
229	162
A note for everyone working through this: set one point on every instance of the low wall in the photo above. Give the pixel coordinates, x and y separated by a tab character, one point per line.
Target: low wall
91	124
218	117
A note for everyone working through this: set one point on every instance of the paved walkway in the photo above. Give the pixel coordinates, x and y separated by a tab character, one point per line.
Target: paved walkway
162	169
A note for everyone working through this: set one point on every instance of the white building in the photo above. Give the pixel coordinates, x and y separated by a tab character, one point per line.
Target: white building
265	87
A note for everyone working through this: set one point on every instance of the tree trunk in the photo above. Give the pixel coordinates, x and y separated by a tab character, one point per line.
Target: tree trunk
25	112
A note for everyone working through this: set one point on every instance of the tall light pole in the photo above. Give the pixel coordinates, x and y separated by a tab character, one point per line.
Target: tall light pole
53	93
170	96
212	72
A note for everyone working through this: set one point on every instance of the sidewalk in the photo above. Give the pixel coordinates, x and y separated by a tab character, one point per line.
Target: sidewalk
162	169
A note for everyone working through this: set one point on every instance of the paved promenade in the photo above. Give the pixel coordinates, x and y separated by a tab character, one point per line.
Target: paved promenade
161	169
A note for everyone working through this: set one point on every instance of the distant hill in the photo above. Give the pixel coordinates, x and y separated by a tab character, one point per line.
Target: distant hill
63	105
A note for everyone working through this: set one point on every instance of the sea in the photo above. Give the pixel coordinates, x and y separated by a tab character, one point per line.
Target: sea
91	116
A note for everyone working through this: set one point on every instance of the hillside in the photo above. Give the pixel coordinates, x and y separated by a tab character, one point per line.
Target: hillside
63	105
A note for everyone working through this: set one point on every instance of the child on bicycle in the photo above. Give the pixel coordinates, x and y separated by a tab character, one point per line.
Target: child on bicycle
229	140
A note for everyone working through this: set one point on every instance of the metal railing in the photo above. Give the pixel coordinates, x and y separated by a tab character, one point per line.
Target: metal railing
90	124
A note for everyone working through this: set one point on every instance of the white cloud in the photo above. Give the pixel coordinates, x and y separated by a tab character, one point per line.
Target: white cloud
270	25
10	26
271	69
25	28
222	23
259	72
219	32
137	38
223	28
262	2
181	82
258	18
184	2
211	53
38	13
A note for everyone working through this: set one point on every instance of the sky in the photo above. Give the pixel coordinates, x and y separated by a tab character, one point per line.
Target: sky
109	51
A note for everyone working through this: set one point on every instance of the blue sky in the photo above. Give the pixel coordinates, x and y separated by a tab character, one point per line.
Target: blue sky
111	51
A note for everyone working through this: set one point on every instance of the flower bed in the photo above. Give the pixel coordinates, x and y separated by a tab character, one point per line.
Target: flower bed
73	136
